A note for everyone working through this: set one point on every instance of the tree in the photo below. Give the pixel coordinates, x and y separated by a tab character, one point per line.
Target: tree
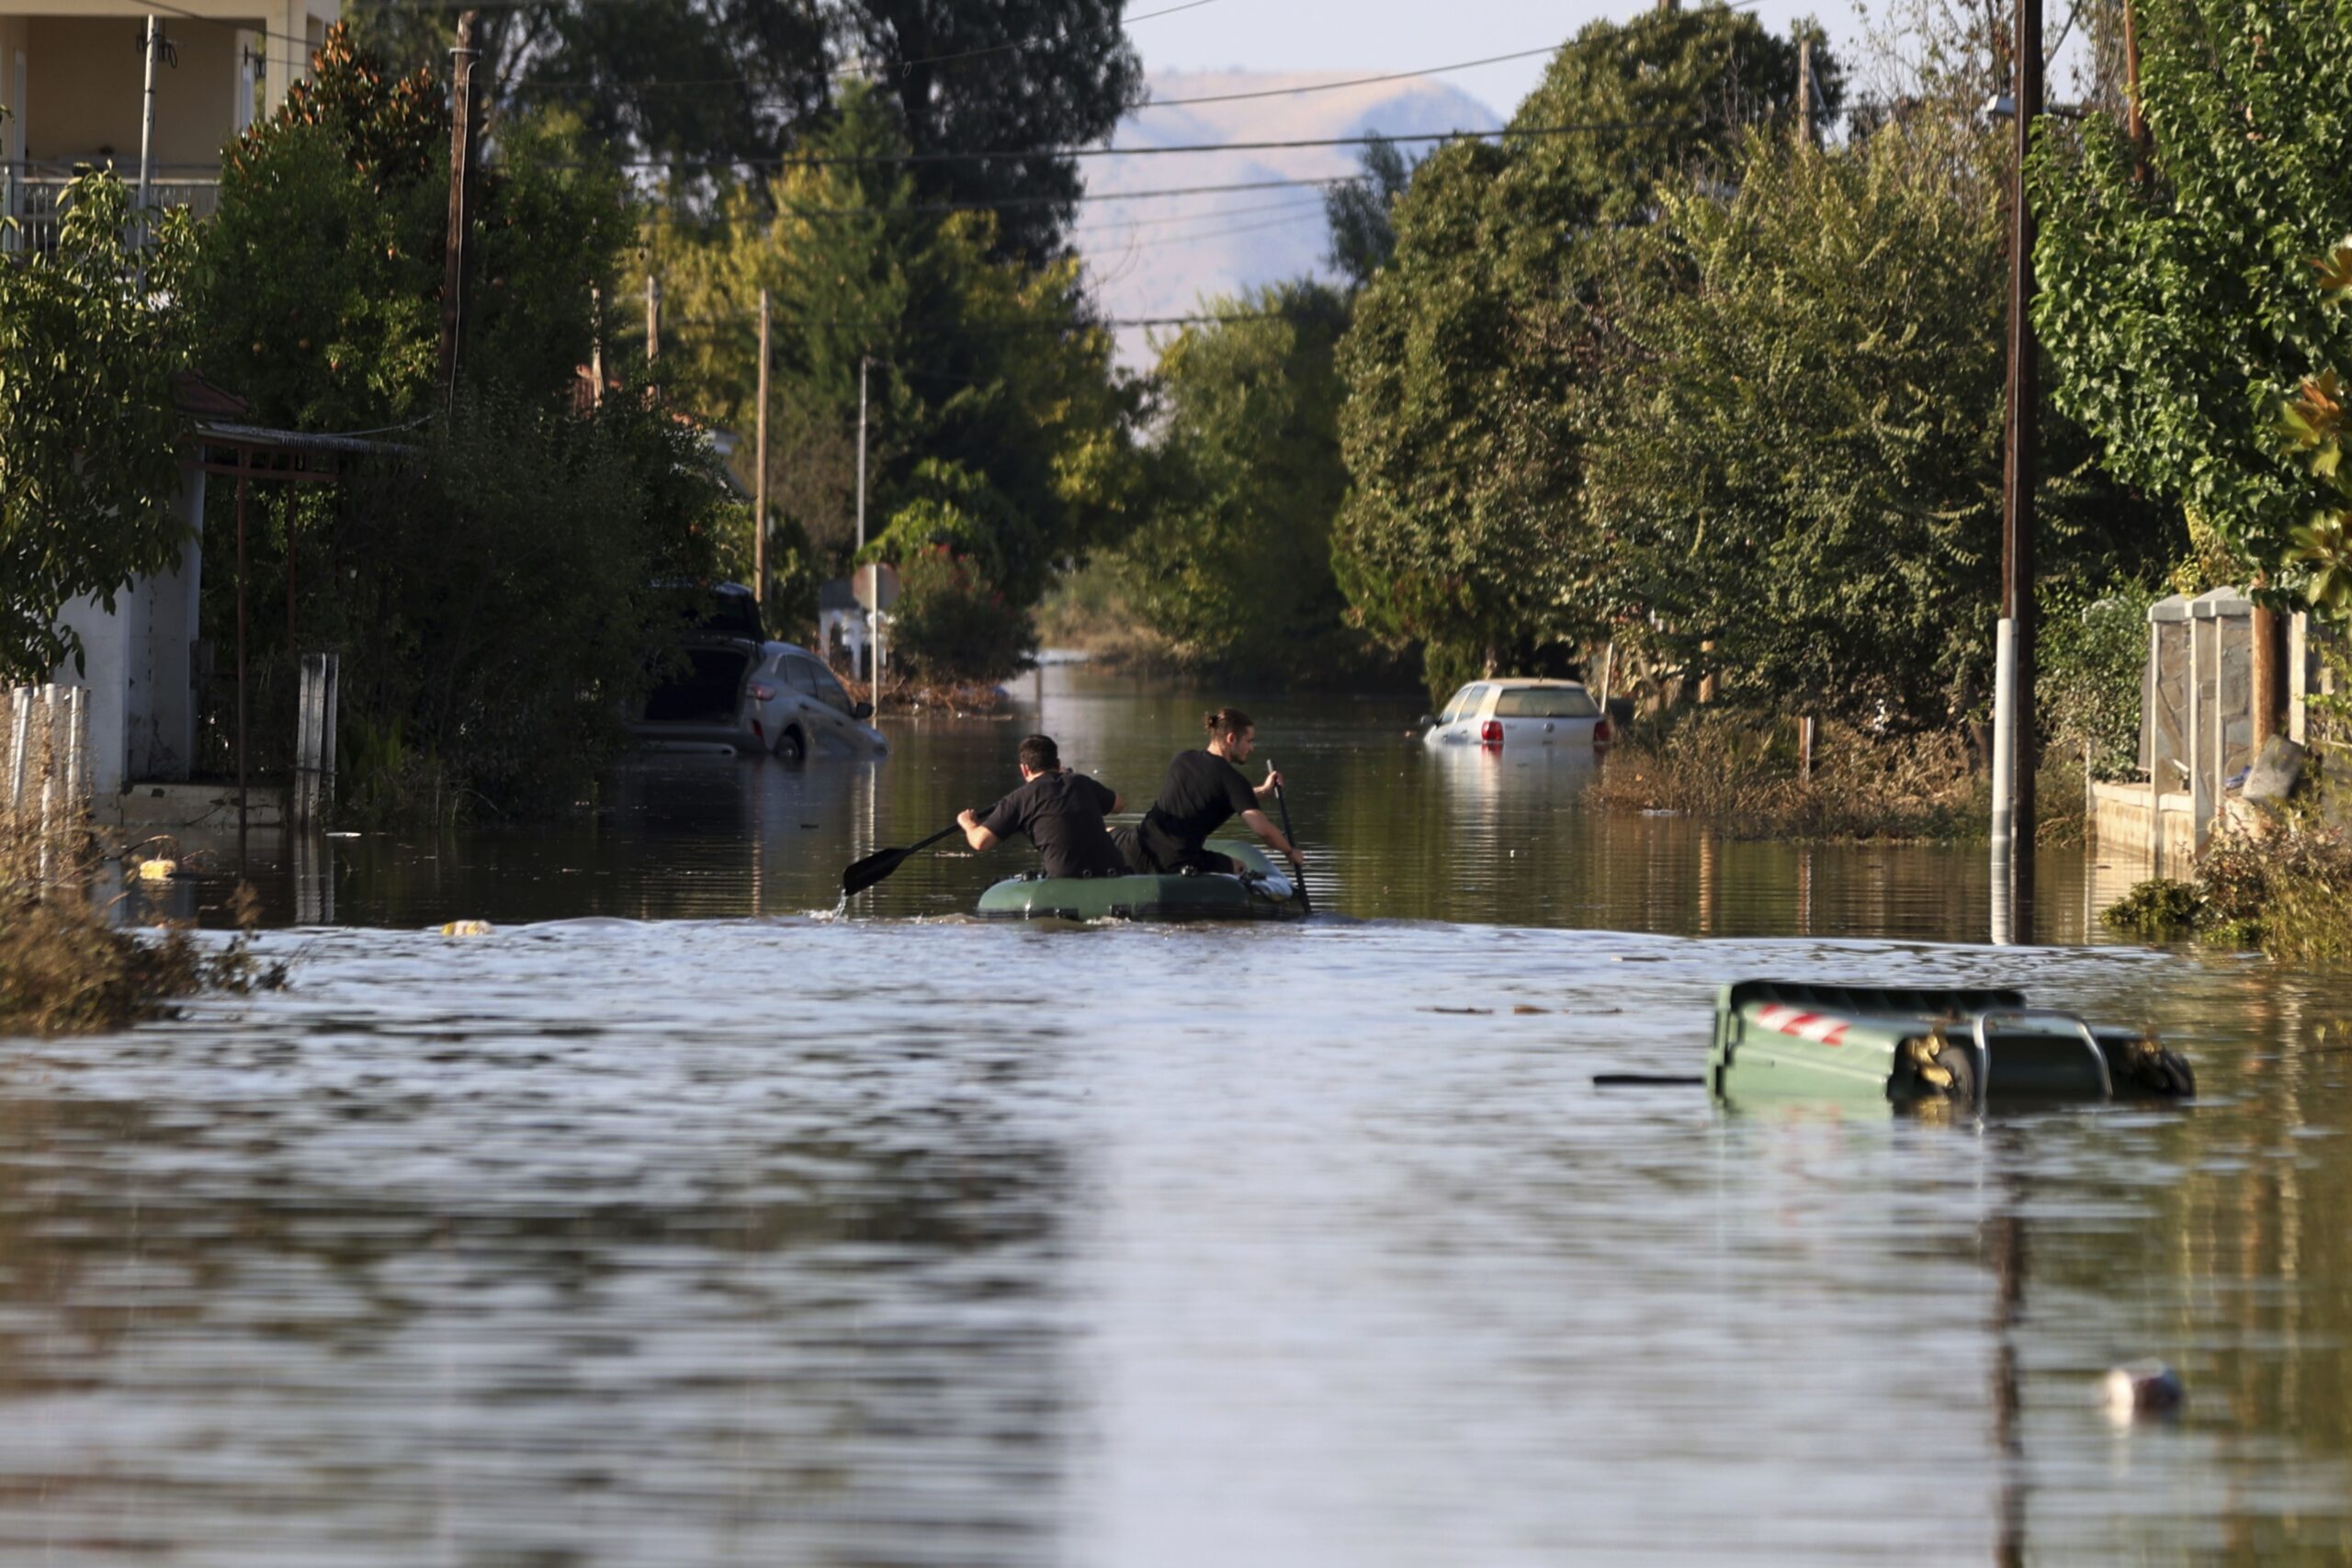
996	425
2162	300
1473	351
318	294
90	334
728	84
1805	471
1363	237
1232	560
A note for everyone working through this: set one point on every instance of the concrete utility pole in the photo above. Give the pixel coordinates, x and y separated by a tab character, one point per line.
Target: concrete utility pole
147	114
2013	830
759	479
596	345
461	200
862	363
872	611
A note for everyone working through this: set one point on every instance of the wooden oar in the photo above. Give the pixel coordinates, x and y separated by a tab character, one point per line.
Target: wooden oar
882	862
1298	871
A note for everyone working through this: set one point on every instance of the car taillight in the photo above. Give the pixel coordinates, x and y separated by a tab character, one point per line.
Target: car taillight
1491	732
1600	736
762	692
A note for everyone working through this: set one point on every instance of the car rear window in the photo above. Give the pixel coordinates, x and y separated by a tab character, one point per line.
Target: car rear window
1545	701
728	614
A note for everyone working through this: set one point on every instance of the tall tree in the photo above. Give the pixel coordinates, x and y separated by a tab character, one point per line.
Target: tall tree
1363	236
2161	301
1804	468
732	84
1232	560
1473	351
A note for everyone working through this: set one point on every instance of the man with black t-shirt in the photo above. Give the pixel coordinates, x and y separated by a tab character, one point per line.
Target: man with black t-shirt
1203	791
1059	812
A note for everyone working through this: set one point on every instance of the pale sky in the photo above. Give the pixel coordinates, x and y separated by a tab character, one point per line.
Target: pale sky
1374	36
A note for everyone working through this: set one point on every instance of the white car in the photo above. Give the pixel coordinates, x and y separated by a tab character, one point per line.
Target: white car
1511	713
798	709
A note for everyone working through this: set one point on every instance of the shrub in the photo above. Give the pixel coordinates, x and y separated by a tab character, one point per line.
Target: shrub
950	624
2090	660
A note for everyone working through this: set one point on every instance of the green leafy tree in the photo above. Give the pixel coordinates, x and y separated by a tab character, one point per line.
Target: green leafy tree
1363	237
1231	561
730	83
1806	469
2310	426
1473	351
993	412
90	334
2163	300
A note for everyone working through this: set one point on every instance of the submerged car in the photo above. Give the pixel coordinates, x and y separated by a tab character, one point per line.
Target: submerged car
739	691
1519	712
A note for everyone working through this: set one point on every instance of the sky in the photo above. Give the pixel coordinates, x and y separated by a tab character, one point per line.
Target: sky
1372	36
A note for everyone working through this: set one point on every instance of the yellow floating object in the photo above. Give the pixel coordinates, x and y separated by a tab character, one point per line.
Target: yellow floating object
156	870
465	928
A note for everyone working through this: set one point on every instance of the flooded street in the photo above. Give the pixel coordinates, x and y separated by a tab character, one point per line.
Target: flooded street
680	1222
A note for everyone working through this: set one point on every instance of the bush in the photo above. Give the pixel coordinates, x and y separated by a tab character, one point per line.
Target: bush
2089	660
951	624
2284	886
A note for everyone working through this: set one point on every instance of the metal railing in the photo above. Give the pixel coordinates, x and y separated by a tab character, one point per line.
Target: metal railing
29	192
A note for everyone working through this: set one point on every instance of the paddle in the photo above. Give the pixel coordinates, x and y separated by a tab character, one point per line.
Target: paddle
882	862
1283	801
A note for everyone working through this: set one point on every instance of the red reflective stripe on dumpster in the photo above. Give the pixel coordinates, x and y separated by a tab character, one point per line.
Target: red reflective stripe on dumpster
1803	1025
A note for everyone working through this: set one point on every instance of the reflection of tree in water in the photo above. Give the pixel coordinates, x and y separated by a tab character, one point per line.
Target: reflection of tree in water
823	1323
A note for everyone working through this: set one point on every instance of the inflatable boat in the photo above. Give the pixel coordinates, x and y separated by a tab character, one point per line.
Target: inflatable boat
1259	893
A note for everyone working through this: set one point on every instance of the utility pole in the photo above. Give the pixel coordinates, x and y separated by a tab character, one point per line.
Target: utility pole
872	611
1805	136
147	115
759	479
462	201
2136	124
2013	741
596	345
652	317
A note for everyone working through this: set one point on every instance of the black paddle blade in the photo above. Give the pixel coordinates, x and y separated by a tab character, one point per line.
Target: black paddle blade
871	870
864	874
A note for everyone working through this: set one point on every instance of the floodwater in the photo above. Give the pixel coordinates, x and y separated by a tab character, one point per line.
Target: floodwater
679	1220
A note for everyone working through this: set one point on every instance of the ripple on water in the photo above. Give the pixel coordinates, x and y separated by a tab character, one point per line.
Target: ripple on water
755	1242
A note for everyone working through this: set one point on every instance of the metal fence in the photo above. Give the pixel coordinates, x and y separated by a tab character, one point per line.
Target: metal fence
45	786
29	194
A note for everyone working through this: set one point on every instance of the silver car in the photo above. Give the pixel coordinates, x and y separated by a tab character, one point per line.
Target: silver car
1520	713
799	708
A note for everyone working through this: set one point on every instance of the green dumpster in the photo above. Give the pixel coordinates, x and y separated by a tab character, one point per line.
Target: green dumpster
1781	1040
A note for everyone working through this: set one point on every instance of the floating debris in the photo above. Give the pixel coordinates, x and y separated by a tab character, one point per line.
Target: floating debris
466	928
2137	1390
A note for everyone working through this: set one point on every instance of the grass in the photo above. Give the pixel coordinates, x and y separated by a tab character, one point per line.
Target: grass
1740	774
64	970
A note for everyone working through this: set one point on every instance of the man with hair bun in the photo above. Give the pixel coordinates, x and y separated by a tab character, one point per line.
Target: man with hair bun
1203	791
1058	811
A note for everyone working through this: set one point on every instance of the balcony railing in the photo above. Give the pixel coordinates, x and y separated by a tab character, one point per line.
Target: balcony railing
29	192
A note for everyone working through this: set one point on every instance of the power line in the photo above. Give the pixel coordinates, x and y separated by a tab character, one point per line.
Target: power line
936	208
1127	224
893	160
1352	82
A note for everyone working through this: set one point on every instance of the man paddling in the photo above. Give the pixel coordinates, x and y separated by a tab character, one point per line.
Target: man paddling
1203	791
1059	812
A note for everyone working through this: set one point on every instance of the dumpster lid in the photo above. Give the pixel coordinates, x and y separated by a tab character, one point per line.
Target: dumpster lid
1871	1001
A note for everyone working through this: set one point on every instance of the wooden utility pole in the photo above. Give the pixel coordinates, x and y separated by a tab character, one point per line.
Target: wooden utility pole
2136	124
760	462
596	345
461	200
2018	524
1806	129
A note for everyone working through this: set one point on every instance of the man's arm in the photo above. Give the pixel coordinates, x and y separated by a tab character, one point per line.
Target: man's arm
1264	826
979	837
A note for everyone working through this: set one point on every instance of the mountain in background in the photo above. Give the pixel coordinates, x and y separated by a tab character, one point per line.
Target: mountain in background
1162	257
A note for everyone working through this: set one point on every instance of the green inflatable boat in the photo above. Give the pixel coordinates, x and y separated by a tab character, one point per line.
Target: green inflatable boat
1259	893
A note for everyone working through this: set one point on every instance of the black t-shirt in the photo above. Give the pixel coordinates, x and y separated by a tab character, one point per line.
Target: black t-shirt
1062	815
1200	794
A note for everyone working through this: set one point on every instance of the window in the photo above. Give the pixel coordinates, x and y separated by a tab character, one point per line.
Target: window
1465	704
829	691
802	673
1545	701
